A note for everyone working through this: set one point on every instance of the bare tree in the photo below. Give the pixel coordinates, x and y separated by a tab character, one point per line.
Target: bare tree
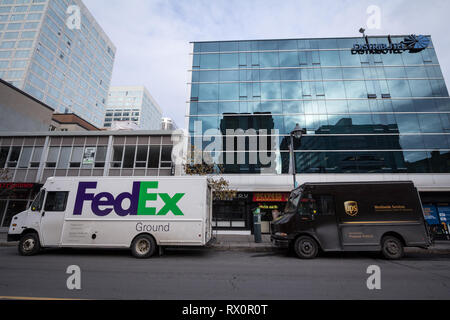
207	167
5	176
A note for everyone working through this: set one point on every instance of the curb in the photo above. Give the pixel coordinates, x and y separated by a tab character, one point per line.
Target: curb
246	248
8	244
274	249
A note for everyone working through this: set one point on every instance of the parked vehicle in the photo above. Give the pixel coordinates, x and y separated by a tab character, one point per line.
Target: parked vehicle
361	216
109	212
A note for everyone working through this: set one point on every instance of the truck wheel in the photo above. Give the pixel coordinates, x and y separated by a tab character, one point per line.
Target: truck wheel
143	246
392	248
306	247
29	244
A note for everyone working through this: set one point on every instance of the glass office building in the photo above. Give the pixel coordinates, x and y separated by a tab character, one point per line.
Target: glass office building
68	69
373	108
135	105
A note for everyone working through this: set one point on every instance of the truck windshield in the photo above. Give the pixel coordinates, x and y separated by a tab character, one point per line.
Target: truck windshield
294	198
38	201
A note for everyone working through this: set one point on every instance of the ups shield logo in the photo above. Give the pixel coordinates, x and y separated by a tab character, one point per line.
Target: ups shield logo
351	208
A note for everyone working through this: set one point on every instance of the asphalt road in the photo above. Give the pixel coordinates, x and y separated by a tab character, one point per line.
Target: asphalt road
206	274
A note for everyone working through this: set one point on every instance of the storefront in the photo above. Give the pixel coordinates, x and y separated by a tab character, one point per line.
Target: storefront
14	198
237	214
436	209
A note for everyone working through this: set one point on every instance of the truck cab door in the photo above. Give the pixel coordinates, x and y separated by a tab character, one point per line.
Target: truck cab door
52	218
325	223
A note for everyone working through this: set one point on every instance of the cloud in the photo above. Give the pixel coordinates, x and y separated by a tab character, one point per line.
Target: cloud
152	36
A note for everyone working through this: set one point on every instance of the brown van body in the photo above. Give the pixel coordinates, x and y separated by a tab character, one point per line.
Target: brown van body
353	216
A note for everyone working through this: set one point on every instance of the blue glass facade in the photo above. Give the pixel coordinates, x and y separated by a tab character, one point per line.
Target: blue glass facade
364	112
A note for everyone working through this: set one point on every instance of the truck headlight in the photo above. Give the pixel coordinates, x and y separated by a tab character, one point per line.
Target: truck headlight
281	234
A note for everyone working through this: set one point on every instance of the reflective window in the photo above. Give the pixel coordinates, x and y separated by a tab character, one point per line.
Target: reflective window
408	123
430	123
209	61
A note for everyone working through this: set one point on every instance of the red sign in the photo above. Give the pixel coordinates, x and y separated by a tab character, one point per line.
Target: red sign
270	197
13	185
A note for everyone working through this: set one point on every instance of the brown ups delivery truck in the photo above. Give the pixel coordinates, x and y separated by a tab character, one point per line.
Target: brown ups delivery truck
352	216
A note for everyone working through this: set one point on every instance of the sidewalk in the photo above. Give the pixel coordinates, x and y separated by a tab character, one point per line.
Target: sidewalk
241	243
247	243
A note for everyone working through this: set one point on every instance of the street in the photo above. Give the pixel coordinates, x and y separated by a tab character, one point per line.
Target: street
229	275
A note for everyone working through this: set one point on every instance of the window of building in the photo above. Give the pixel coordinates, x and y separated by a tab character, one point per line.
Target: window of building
153	159
117	156
141	156
3	156
64	157
14	157
36	159
166	156
52	157
100	156
24	160
128	159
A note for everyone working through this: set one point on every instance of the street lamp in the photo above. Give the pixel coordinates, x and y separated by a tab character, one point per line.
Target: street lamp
297	133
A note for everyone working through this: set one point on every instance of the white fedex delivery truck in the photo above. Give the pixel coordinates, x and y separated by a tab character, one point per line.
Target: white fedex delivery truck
109	212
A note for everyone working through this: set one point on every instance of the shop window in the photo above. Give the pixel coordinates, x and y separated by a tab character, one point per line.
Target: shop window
56	201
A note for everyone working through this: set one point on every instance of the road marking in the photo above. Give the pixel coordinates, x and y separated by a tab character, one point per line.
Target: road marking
35	298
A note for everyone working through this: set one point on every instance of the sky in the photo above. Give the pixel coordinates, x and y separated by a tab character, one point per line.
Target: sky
153	36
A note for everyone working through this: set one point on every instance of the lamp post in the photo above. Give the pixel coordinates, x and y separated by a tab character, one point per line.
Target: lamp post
297	133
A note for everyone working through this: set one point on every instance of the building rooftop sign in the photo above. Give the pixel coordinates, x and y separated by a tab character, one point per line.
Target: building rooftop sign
411	43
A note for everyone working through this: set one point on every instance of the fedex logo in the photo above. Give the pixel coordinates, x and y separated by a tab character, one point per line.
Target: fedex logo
104	202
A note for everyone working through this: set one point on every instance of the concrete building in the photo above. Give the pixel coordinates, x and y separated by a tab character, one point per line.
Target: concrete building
70	122
68	69
132	105
30	158
374	109
20	111
168	124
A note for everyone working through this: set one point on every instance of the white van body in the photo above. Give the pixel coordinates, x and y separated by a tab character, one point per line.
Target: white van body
109	212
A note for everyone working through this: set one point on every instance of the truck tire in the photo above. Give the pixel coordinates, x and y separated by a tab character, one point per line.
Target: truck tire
29	244
143	246
306	247
392	248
